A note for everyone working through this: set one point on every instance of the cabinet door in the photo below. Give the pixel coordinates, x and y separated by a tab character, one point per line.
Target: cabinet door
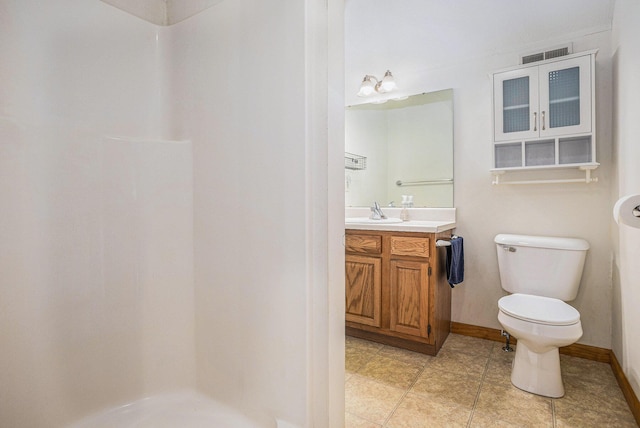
515	99
409	295
565	97
363	282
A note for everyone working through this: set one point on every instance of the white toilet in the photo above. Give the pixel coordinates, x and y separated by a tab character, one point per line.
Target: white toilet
542	273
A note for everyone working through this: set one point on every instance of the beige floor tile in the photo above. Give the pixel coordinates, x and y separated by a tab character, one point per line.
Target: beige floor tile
417	411
355	358
478	420
588	374
580	417
361	344
589	384
577	406
358	352
499	367
370	400
347	375
444	389
448	387
509	404
586	393
460	363
405	356
499	354
390	371
582	395
468	345
353	421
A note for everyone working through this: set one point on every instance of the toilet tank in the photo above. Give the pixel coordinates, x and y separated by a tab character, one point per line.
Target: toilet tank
541	265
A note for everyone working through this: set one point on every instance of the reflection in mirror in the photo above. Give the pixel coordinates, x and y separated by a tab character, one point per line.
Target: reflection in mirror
401	147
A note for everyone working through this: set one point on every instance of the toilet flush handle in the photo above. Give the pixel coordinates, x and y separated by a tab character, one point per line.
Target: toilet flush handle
509	249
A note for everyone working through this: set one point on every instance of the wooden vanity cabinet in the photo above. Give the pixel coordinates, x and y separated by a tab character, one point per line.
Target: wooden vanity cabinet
396	289
409	298
363	289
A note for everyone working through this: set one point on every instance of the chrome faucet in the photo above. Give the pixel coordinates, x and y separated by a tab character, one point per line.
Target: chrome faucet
376	212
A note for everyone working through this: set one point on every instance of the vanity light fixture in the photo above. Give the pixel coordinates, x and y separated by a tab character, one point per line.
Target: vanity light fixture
367	88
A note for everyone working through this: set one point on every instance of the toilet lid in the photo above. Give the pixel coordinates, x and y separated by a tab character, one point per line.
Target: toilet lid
538	309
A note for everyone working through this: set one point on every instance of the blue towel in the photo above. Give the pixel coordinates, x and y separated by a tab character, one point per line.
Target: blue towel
455	261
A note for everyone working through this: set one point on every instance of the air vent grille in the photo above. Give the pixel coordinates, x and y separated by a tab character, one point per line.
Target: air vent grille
533	58
551	53
556	53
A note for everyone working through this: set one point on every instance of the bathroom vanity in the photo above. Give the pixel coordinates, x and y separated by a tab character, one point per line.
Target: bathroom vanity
395	284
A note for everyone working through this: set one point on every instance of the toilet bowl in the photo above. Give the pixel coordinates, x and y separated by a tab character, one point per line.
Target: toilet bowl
541	325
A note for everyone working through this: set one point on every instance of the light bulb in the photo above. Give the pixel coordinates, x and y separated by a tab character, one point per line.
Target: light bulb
366	88
388	83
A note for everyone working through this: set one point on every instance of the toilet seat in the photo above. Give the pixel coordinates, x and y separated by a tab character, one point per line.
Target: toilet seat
539	309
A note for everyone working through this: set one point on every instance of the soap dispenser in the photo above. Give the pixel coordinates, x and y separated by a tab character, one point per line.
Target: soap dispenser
404	213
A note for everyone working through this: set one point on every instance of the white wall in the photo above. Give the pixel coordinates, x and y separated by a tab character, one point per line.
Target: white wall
95	231
484	210
246	83
626	108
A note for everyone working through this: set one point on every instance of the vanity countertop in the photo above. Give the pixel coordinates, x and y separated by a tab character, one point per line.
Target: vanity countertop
429	220
405	226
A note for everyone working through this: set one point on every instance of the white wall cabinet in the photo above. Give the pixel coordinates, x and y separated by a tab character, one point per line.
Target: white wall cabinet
544	114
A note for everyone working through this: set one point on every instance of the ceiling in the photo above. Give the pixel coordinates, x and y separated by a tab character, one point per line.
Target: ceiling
424	34
163	12
418	35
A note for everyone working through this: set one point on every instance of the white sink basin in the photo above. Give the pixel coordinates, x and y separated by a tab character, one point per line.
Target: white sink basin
367	220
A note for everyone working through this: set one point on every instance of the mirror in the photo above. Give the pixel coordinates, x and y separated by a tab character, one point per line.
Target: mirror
401	147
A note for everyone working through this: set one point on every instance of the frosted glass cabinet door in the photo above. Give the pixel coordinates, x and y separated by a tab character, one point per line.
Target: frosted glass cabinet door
516	104
565	97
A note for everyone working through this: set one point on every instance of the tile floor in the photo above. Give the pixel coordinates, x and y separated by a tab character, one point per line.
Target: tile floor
467	385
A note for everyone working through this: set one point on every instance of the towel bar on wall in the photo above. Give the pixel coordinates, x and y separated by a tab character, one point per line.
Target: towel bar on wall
424	182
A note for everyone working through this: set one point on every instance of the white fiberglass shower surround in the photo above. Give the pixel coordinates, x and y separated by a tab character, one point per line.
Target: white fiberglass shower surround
163	261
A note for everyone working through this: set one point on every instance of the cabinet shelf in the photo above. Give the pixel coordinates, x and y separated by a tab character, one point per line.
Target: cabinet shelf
587	168
569	150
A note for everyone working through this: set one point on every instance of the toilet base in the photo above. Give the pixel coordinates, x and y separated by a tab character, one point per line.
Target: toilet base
538	373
